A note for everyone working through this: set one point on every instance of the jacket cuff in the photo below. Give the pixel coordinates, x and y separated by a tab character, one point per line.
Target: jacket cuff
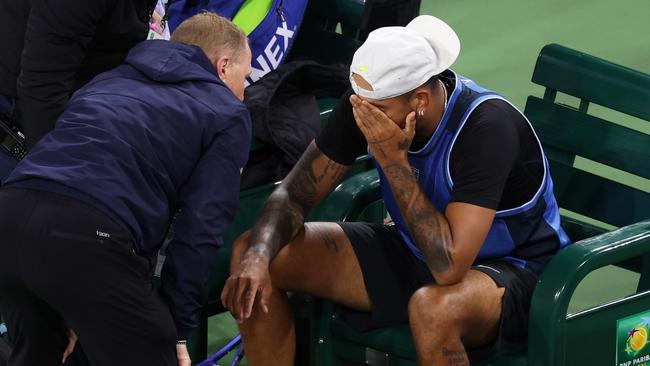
182	333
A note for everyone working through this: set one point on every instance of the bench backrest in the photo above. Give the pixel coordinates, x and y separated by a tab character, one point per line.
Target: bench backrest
568	132
570	135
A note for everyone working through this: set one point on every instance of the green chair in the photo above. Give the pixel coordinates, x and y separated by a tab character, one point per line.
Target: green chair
557	338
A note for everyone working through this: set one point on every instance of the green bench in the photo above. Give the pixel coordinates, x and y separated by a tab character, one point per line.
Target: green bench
570	135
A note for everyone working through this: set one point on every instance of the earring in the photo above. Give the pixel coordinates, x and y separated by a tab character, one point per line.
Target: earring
420	113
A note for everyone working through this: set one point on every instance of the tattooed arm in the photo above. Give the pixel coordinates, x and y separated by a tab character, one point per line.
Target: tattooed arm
312	178
449	242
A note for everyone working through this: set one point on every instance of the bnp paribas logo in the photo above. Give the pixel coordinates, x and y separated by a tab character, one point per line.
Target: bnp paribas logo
632	347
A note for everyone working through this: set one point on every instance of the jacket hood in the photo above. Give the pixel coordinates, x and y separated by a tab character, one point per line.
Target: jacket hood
171	62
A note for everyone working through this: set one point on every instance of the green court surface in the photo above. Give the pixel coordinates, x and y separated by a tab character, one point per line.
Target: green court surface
500	42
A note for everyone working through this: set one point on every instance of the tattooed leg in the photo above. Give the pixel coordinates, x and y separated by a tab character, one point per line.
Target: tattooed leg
319	261
455	357
446	319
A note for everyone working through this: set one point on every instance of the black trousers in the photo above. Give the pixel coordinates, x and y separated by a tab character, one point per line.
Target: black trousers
64	264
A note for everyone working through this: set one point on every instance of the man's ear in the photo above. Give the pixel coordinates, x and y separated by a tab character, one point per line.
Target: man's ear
221	66
420	99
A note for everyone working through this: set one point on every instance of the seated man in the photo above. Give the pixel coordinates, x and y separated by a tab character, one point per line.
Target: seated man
83	215
465	181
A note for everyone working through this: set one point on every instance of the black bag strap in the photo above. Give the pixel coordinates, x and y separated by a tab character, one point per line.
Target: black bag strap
165	17
11	138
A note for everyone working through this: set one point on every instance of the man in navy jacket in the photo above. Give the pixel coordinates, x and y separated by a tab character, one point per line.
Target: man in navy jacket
83	215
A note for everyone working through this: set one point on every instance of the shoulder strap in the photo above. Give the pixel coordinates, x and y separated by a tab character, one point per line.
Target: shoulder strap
252	13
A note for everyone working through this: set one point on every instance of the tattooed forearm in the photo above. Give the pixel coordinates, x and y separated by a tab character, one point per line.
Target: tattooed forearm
404	144
428	227
455	357
301	183
283	214
277	224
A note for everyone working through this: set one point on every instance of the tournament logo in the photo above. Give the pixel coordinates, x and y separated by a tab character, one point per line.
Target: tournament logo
632	340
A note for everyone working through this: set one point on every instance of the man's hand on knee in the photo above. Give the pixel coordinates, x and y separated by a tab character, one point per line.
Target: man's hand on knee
249	281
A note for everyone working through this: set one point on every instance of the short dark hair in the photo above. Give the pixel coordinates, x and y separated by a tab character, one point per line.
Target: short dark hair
431	84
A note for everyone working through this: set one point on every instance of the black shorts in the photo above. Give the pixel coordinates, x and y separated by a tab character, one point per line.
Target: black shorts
392	273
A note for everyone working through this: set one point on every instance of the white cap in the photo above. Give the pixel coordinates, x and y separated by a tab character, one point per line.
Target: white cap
396	60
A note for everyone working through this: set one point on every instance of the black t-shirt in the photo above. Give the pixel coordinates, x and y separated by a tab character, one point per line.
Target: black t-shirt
495	163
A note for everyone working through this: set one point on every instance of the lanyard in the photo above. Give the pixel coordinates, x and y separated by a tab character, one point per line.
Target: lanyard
165	17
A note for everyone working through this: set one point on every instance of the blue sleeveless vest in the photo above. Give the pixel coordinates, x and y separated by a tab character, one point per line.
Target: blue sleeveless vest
270	41
527	235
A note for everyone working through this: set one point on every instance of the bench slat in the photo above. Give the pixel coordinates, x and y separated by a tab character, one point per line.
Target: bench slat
569	130
594	79
585	193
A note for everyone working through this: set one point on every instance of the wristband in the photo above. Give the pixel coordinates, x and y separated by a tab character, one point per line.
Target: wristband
181	342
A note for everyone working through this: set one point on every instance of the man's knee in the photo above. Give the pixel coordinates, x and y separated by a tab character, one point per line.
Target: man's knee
433	305
239	247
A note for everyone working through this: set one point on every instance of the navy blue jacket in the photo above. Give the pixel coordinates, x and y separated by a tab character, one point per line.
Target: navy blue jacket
157	134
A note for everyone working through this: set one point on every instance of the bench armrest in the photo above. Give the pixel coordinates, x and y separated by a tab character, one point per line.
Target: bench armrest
548	313
350	198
